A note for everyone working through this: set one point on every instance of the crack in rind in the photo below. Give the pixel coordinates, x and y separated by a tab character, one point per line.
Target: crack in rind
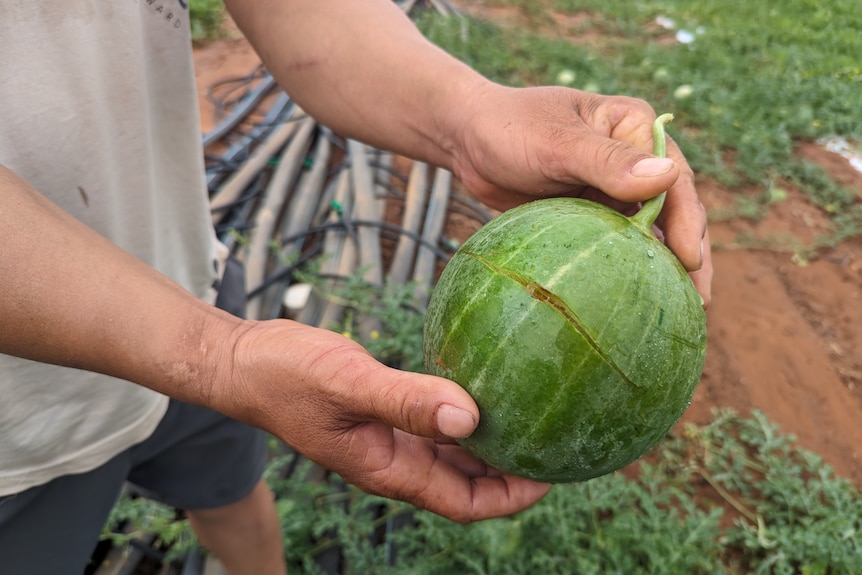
545	296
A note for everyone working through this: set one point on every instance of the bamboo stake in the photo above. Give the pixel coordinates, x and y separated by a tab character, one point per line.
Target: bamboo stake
259	249
232	189
414	205
426	259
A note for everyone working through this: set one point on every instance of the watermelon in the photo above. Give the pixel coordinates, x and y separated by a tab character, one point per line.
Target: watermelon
577	332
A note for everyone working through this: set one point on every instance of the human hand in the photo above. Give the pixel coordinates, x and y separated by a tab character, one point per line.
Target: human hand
515	145
388	432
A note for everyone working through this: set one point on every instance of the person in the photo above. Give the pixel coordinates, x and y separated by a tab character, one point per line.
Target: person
109	262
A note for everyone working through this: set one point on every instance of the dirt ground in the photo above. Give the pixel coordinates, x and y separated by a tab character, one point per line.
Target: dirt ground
785	334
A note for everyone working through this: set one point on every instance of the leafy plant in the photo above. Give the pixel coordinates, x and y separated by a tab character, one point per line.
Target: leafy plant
733	496
133	518
207	19
518	57
398	340
795	514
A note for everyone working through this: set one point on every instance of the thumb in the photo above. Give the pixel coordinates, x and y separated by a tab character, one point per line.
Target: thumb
621	170
423	405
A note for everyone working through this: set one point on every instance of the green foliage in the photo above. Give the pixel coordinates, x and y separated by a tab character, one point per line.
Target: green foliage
608	525
398	339
134	517
518	57
823	192
781	71
207	18
323	517
798	516
734	496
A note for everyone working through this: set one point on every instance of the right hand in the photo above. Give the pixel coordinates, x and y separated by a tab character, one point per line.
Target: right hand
513	145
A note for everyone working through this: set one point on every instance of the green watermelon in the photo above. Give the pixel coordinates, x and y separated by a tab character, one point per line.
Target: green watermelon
577	332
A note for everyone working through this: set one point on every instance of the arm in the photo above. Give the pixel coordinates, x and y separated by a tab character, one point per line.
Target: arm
84	303
365	70
64	303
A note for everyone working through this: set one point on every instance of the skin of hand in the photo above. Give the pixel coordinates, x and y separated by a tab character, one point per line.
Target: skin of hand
384	430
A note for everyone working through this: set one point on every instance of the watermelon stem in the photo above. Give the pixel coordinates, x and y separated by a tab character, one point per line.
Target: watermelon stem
648	213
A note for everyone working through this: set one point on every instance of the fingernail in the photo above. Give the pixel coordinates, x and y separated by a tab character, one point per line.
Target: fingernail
454	422
651	167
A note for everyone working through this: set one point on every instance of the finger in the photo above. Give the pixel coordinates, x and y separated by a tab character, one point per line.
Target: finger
683	218
466	499
419	404
600	197
441	478
684	227
458	486
479	498
617	168
465	462
702	278
517	493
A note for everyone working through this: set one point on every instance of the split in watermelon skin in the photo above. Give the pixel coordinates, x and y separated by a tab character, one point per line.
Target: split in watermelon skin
576	331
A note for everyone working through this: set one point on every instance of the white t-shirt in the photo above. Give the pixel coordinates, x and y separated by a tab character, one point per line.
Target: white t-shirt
98	111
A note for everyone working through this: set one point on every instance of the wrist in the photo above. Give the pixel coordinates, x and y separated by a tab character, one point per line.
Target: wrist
193	359
455	109
260	367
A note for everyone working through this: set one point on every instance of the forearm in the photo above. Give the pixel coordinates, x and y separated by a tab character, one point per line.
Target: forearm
70	297
365	70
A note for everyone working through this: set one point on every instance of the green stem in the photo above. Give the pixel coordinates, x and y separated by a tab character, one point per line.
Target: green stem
648	213
725	494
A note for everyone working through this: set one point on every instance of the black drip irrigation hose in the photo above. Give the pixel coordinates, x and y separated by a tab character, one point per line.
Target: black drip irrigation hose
219	167
242	109
281	110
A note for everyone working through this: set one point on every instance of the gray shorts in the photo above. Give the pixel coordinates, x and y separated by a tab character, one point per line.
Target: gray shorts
196	459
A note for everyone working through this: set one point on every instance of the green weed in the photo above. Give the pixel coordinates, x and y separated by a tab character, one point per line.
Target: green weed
134	518
733	496
207	19
517	57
